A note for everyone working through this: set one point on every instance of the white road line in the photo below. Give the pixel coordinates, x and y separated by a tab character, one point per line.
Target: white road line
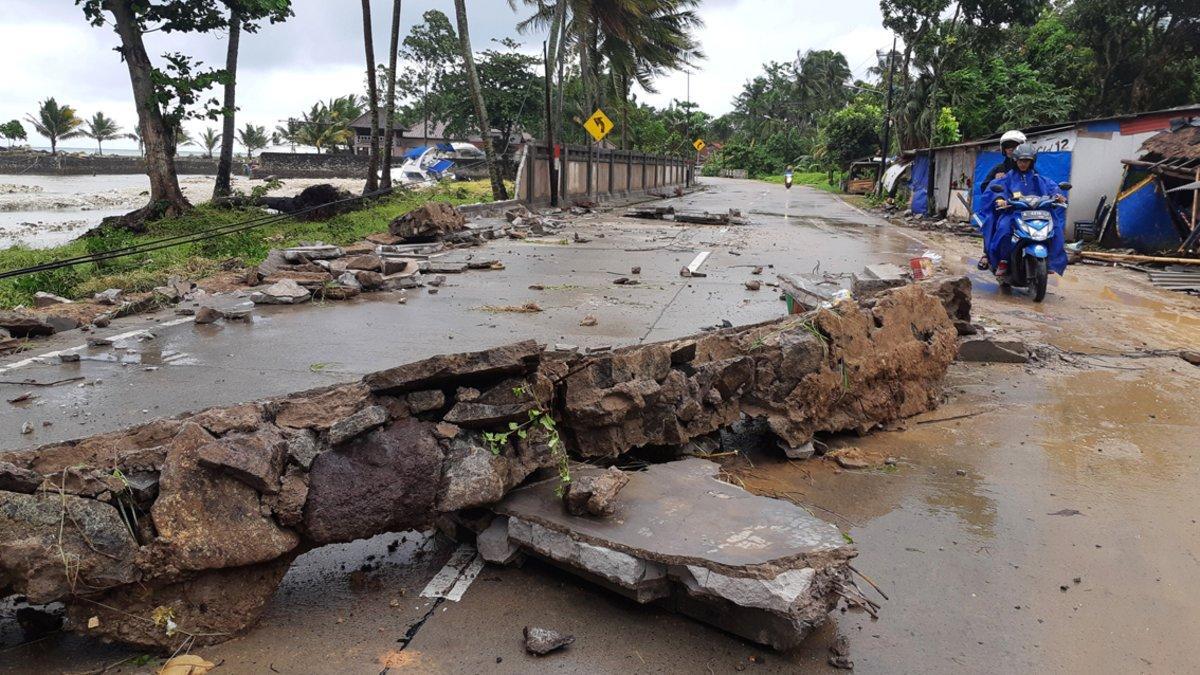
464	582
122	336
444	581
698	260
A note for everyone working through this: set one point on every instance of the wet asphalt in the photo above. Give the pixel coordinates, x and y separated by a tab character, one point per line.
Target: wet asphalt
1044	519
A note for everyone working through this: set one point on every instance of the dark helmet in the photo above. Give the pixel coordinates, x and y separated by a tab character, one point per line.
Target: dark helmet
1025	151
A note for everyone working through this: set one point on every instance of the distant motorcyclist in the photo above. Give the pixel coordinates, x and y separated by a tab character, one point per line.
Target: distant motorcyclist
787	177
1008	142
1022	181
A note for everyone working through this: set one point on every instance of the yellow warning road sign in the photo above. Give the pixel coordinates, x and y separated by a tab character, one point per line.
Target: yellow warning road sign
598	125
699	145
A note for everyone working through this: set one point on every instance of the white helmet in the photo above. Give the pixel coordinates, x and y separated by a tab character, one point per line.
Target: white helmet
1015	137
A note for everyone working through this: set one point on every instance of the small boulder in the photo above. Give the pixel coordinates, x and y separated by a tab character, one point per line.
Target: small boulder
43	299
595	494
542	641
208	315
428	222
369	262
360	422
286	292
112	296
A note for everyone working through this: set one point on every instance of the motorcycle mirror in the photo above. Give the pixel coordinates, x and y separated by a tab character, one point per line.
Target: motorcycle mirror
997	188
1064	186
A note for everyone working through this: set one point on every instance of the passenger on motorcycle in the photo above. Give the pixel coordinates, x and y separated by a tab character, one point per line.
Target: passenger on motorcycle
1023	181
1008	142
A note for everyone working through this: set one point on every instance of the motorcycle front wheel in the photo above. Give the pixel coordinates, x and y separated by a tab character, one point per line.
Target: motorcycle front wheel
1038	278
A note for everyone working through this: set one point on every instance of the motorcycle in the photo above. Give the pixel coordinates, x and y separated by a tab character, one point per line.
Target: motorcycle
787	180
1034	221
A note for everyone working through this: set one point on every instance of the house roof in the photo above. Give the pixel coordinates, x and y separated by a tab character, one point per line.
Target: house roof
993	139
1180	143
364	122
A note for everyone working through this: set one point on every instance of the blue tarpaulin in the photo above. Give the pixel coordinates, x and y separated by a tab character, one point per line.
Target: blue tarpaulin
919	182
1053	165
1144	218
415	152
441	166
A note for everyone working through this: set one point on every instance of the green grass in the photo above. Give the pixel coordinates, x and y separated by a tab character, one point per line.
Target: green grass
815	179
195	260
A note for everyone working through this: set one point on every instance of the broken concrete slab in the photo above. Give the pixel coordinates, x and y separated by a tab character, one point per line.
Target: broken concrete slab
990	350
436	371
302	254
761	568
22	324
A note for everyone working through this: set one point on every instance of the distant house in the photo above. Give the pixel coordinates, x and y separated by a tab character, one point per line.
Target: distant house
409	137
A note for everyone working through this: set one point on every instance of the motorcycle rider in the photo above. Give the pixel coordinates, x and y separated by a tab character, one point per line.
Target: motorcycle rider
1008	142
1022	181
787	177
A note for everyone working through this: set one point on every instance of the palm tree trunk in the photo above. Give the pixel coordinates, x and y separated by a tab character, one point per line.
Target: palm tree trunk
389	135
373	102
223	187
166	199
485	130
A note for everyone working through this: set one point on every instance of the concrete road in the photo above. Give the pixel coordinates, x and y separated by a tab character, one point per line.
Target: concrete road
1043	520
188	367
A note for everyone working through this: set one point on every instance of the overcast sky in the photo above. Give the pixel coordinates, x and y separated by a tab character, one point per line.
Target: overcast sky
48	49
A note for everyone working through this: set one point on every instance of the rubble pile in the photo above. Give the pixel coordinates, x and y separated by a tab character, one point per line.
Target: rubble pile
197	517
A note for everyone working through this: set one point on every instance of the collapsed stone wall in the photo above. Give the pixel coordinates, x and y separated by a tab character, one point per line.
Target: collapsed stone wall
191	522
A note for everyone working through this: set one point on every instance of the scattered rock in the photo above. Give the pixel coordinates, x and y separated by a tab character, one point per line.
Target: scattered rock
208	315
99	342
588	320
360	422
309	280
254	459
367	280
635	270
22	324
425	401
286	292
753	285
429	222
595	494
542	641
18	479
839	654
1191	357
437	281
27	427
349	280
757	270
43	299
369	262
852	458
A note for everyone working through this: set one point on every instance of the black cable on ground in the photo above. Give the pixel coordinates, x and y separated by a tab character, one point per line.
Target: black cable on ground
188	238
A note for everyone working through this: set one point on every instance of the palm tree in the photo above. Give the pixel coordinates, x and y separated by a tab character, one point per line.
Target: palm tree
210	139
287	133
253	138
389	133
101	128
136	135
55	122
485	131
372	101
182	137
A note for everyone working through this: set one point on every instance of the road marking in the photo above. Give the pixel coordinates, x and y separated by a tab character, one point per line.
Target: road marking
58	352
698	260
464	582
456	575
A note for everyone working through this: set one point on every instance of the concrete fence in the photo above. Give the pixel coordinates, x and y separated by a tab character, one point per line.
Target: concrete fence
610	173
733	173
45	164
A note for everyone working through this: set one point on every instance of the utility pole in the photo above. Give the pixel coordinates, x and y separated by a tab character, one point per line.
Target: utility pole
687	126
887	118
552	170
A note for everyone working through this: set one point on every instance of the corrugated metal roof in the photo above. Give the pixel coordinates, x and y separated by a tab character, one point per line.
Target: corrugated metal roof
1127	121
